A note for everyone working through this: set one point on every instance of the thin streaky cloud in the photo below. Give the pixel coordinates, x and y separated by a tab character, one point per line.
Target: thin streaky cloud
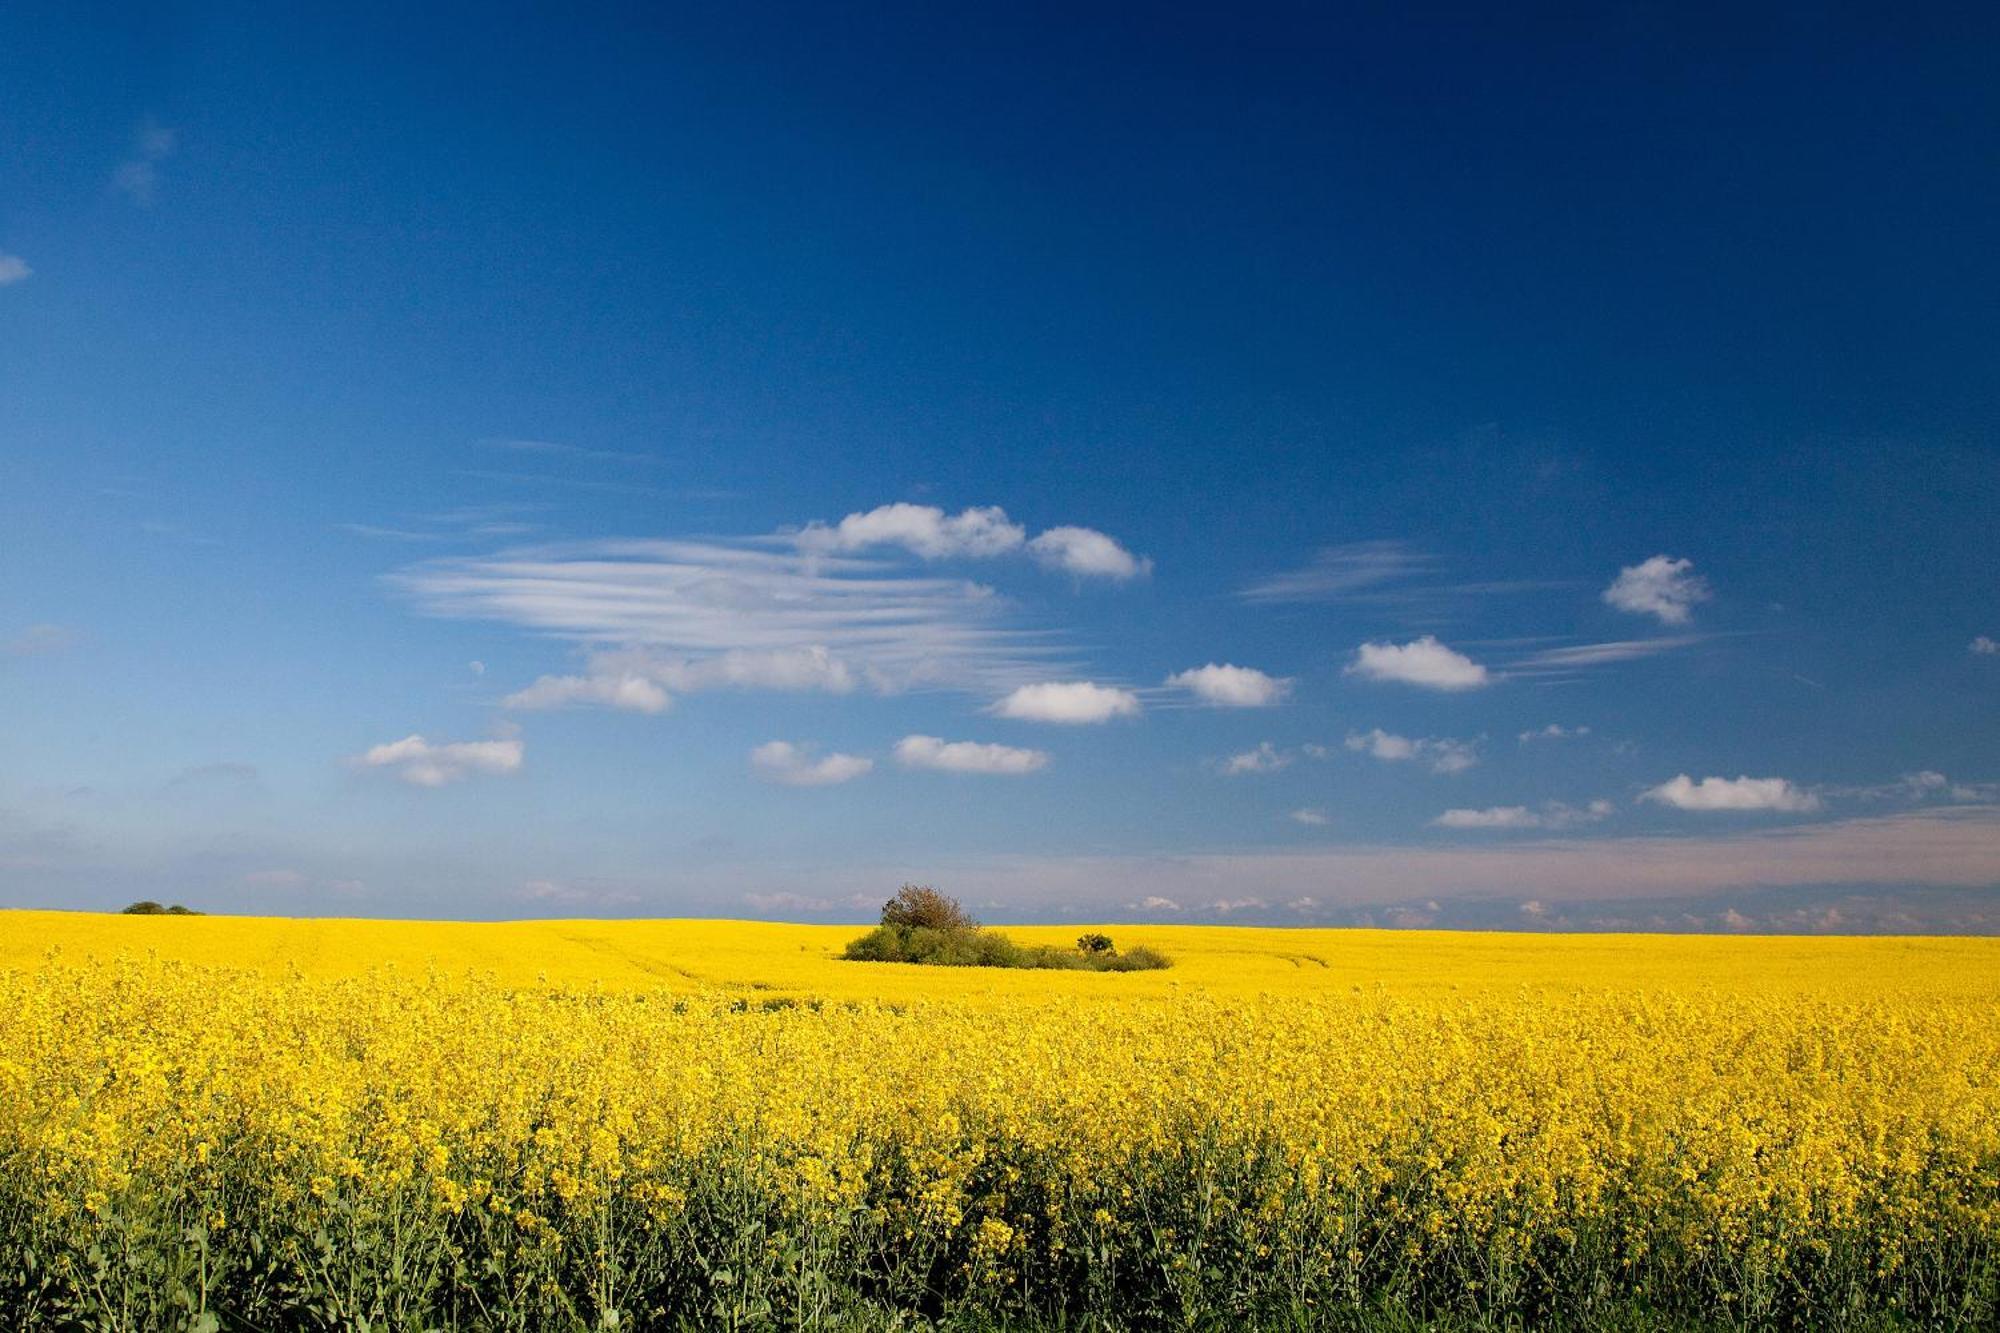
557	449
13	269
1340	573
375	533
697	601
1581	655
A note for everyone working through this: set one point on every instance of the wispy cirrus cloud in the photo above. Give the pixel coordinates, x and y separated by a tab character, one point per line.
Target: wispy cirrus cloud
138	176
579	453
13	269
1356	571
1582	656
718	614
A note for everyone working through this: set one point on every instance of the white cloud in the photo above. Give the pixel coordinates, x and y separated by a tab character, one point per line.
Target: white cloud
1309	817
1659	586
423	764
1551	815
1266	758
967	756
638	681
713	614
138	176
1442	755
13	269
1226	686
1152	902
632	693
1684	793
923	530
1424	662
1072	702
1343	573
1984	646
1554	731
793	766
1551	661
978	533
1087	553
1498	816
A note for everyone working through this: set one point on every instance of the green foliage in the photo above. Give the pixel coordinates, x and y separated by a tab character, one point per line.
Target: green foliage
921	907
990	948
1093	942
147	907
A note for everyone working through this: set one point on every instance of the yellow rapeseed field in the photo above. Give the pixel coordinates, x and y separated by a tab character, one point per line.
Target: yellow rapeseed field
218	1123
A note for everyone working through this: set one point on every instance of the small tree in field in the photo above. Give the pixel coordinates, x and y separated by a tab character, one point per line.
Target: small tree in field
1094	942
922	907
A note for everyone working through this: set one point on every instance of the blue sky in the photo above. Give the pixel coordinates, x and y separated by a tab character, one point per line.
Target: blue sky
730	461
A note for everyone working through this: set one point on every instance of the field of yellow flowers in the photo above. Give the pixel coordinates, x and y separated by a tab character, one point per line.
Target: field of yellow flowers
219	1123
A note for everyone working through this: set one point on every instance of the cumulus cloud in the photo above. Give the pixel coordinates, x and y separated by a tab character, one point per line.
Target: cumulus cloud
793	765
1423	662
632	693
13	269
1073	702
1554	731
1266	758
1088	553
422	763
1740	793
922	530
1984	646
1442	755
1152	902
1310	818
1225	686
977	533
1551	815
968	756
1659	586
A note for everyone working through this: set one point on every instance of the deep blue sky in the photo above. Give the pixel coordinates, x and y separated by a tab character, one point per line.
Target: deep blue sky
331	345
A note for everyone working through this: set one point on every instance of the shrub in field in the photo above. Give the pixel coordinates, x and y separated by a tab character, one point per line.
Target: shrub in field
921	925
147	907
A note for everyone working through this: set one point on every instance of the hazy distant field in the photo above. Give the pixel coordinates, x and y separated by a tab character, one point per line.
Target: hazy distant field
750	956
211	1122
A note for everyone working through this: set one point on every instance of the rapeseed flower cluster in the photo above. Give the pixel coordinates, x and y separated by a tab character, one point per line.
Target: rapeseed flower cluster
188	1145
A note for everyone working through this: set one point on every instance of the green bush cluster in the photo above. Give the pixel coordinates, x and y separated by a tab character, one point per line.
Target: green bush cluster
147	907
921	925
